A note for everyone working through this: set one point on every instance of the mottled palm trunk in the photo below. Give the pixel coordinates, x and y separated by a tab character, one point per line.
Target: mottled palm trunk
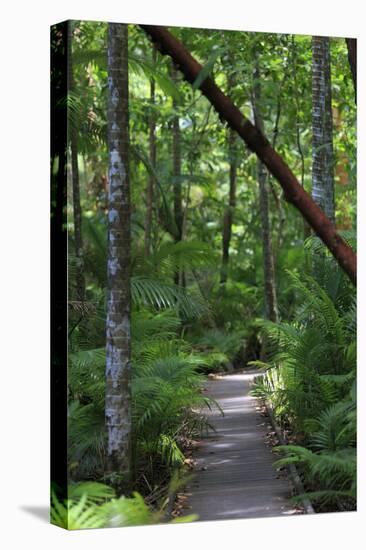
152	157
73	137
229	210
270	293
177	171
323	158
118	366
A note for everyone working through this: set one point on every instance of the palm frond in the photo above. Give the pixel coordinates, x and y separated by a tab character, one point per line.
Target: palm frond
161	295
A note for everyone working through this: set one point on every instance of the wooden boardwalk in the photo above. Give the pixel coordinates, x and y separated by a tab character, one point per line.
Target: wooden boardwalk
233	474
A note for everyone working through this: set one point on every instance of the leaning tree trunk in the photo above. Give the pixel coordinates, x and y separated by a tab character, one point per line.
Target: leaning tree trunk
118	340
73	137
152	158
270	292
323	157
259	144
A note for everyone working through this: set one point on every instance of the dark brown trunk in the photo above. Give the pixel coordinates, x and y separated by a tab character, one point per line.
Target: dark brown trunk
260	145
352	58
78	240
58	255
80	280
152	157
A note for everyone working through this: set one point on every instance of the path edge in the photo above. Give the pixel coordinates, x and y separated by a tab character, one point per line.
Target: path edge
291	468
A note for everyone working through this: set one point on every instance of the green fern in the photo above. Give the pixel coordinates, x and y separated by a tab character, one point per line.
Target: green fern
93	505
77	514
86	439
313	357
97	493
333	428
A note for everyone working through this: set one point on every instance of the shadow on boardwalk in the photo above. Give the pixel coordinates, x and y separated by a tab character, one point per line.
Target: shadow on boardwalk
234	475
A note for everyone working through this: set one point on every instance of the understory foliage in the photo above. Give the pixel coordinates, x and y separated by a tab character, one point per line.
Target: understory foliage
166	398
93	505
310	381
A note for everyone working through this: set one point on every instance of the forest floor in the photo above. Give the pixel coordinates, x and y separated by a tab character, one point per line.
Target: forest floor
233	473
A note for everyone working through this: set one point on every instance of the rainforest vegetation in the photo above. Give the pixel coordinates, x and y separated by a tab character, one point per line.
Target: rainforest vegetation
187	256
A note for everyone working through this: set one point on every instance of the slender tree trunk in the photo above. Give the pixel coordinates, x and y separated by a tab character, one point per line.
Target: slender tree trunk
278	201
73	136
297	92
187	200
323	158
229	210
177	172
352	59
152	156
268	260
259	144
118	340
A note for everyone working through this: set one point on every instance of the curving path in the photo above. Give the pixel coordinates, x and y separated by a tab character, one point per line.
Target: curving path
233	474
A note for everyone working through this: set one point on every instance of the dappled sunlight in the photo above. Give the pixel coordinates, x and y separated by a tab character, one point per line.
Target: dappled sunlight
234	476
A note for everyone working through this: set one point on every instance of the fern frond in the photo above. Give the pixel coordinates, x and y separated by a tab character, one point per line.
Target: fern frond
95	492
